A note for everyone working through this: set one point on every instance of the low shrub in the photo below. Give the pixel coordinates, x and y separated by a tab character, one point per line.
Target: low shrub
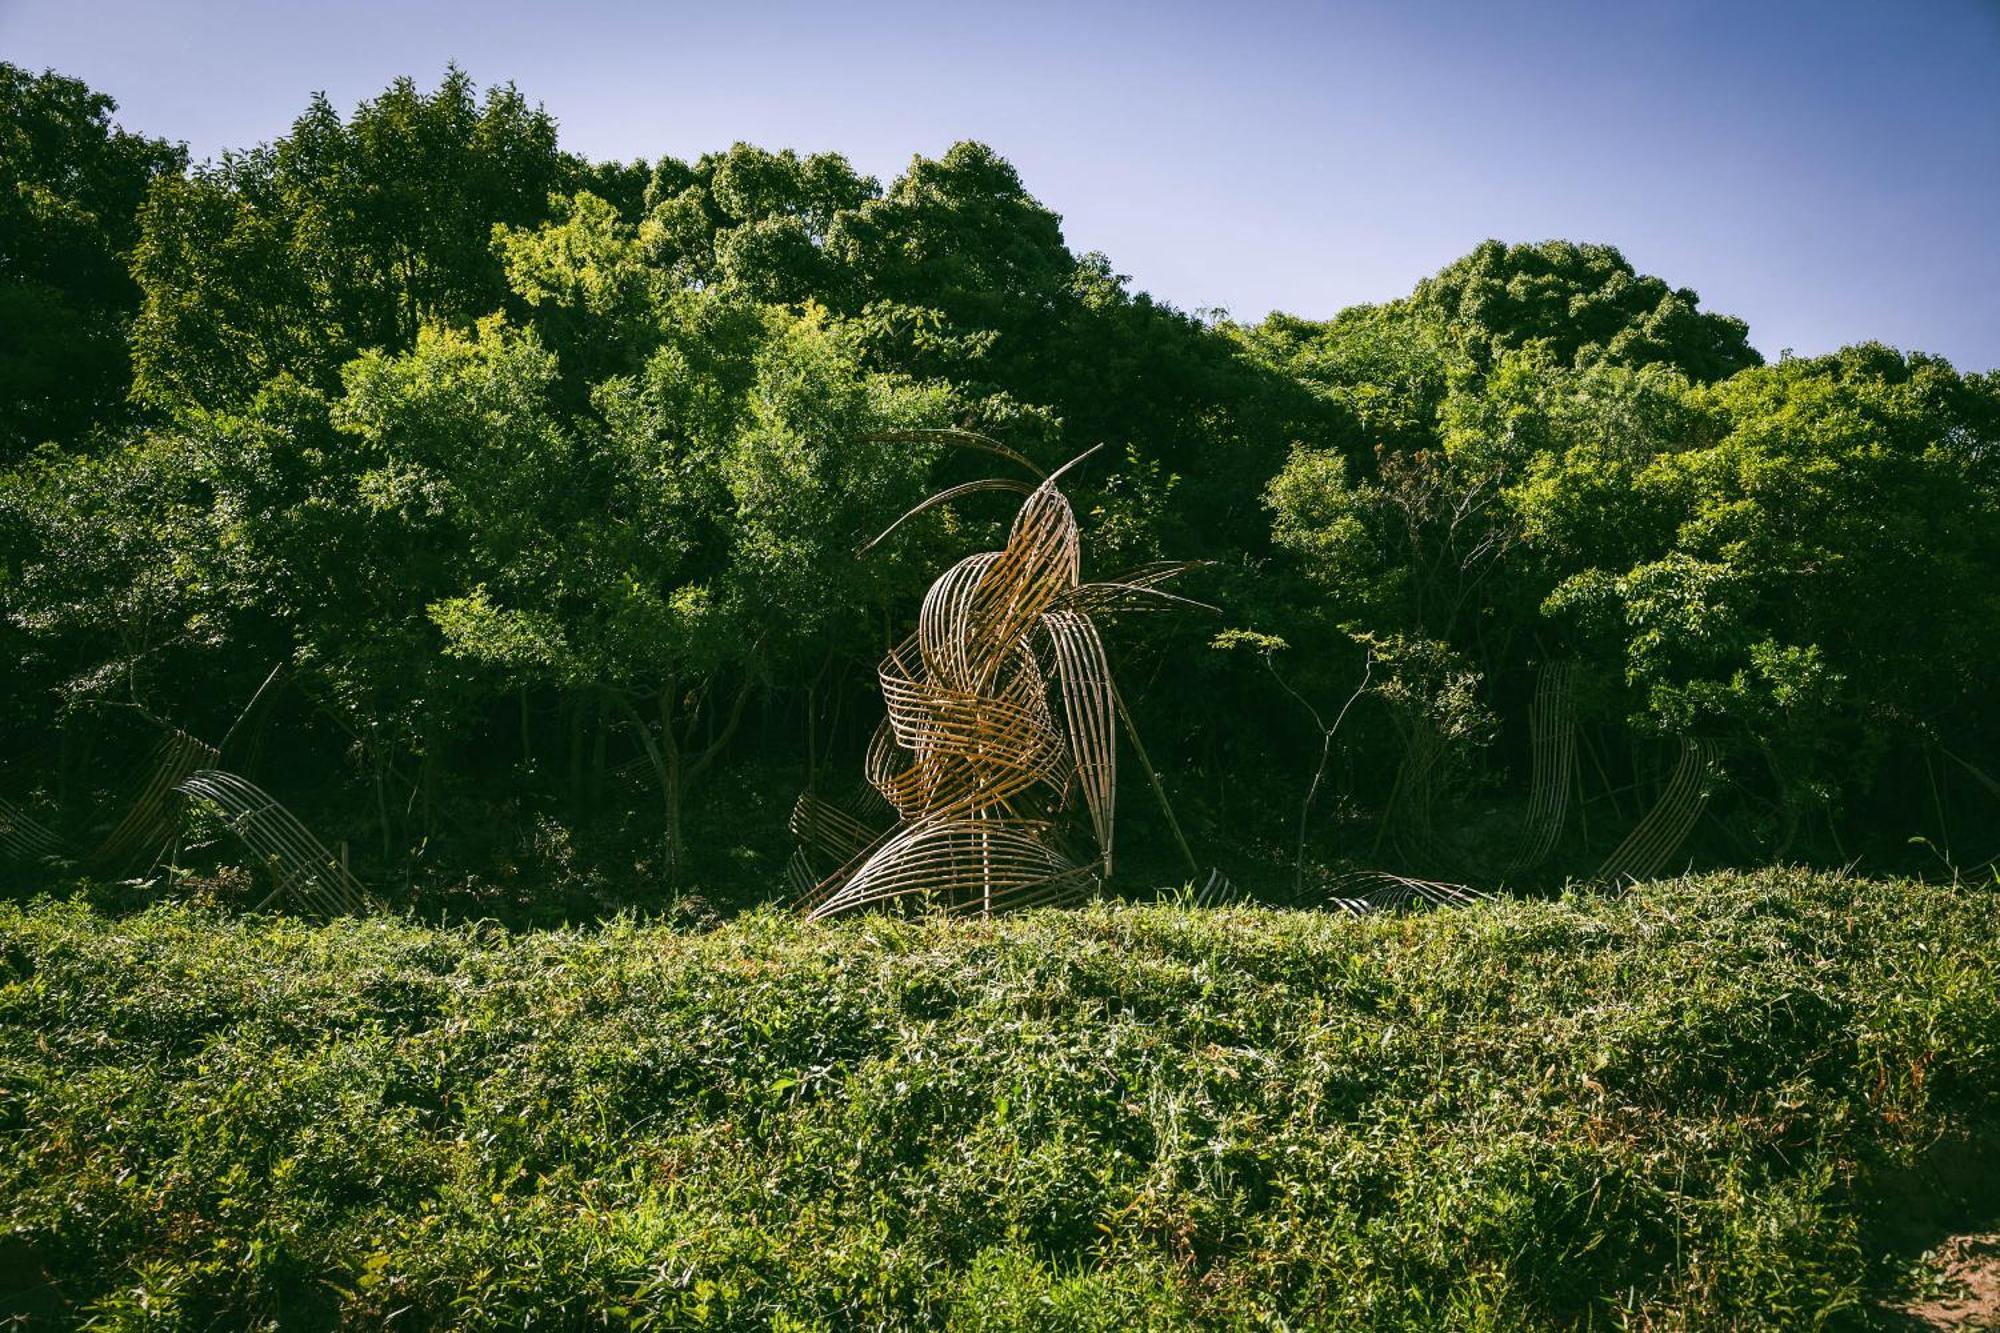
1673	1107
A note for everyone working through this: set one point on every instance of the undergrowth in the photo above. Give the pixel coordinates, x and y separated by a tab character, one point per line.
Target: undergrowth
1687	1105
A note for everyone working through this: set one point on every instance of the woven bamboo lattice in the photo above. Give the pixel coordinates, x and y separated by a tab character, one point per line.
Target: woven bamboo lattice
306	875
830	832
1654	840
1552	737
1002	720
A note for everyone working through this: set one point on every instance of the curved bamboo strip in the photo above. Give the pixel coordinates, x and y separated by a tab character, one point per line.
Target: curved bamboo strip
1090	714
829	829
830	833
1655	839
1365	891
24	837
963	865
963	439
946	623
943	498
1218	890
307	875
148	825
1552	742
1135	590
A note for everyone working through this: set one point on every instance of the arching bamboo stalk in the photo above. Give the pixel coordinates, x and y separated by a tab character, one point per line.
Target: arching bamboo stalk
1552	744
1654	840
306	876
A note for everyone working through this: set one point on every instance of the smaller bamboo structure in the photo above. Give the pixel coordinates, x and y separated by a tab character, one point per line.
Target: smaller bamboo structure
1653	842
1552	743
181	768
306	876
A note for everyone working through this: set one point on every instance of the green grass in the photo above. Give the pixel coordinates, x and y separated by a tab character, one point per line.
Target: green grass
1690	1105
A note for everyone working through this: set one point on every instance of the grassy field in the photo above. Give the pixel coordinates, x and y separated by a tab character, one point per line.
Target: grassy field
1730	1102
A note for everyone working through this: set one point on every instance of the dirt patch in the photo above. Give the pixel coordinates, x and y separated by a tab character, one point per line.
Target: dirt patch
1933	1226
1959	1286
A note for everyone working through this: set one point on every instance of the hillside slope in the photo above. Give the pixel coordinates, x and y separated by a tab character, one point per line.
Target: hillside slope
1733	1101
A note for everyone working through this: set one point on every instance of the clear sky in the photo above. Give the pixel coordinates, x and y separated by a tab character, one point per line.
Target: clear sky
1827	169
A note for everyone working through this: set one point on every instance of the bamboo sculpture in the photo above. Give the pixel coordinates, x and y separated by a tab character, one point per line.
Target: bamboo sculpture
1002	719
182	769
306	876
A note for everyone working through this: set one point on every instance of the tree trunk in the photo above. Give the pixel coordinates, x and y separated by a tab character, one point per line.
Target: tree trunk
672	785
575	706
675	768
598	747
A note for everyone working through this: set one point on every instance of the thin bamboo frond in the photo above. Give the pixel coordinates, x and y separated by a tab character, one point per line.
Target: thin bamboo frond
944	498
962	439
244	741
1153	573
1111	598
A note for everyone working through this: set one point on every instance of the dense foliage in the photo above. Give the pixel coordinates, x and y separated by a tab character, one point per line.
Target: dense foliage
1699	1104
540	479
71	185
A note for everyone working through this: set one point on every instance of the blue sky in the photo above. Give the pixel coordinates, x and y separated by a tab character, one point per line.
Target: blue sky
1828	171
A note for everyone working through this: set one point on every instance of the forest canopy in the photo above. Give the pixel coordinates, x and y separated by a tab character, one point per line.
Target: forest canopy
535	483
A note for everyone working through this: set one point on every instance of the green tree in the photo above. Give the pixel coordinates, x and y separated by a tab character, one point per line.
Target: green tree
666	561
340	236
753	221
1814	584
1586	302
71	183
